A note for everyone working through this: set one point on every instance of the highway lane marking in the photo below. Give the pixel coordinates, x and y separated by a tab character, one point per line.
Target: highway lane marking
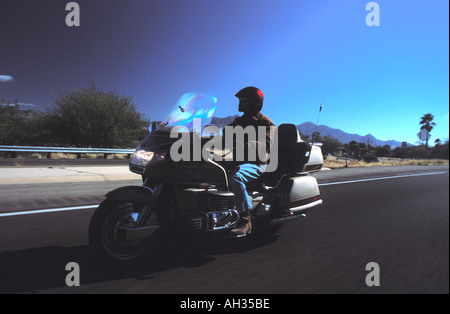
52	210
384	178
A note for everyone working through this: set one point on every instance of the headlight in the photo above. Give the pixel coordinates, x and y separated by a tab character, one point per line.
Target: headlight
142	158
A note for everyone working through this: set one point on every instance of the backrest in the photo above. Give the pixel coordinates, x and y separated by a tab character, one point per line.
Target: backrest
291	154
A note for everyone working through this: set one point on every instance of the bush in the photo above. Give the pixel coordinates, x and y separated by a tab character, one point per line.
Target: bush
93	118
11	124
370	158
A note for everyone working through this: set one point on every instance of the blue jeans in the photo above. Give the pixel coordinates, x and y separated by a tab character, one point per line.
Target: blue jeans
239	177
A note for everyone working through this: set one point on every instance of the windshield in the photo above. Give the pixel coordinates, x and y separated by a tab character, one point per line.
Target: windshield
189	107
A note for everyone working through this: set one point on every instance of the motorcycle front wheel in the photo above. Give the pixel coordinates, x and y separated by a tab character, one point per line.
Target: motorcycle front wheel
110	229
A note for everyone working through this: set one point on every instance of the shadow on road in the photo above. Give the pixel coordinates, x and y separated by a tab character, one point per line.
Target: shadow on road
38	269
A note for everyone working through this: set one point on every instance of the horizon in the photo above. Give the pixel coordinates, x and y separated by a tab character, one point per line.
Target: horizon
337	129
34	108
377	80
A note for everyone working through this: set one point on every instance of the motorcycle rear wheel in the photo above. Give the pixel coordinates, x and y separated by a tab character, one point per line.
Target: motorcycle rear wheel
105	236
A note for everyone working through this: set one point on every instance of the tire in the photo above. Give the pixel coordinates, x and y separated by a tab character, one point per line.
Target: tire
106	240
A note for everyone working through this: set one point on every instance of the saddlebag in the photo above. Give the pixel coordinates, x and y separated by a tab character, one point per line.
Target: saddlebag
298	193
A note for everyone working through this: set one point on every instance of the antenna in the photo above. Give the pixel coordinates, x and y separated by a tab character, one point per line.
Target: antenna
317	124
279	94
320	109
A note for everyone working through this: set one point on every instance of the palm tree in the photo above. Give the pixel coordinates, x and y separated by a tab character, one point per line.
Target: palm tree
427	124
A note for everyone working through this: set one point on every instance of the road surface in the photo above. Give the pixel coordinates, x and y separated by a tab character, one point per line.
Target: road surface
397	217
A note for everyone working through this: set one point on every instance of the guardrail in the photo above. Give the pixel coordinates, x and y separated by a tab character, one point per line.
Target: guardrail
68	150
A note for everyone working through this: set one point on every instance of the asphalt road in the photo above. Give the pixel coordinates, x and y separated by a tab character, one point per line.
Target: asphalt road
397	217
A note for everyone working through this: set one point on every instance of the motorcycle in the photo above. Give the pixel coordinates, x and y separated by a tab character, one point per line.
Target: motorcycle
193	198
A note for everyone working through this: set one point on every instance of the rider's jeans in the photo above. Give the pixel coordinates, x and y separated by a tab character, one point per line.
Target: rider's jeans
239	177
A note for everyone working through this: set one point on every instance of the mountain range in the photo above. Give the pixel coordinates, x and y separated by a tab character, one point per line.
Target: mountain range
27	111
308	128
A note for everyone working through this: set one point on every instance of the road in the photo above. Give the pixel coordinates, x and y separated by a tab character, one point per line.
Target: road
397	217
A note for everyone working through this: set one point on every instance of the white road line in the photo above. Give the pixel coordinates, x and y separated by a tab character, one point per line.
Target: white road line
42	211
383	178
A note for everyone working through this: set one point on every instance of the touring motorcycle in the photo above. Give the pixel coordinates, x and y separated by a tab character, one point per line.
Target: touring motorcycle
193	198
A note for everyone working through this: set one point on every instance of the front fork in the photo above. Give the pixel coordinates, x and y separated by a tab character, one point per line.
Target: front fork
144	218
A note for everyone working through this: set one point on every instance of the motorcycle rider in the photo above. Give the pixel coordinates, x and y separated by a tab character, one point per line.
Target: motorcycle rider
251	101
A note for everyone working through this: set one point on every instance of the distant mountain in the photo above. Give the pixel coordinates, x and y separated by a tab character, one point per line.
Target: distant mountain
31	115
28	112
308	128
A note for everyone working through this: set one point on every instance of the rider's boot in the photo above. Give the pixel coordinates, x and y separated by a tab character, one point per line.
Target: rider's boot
243	227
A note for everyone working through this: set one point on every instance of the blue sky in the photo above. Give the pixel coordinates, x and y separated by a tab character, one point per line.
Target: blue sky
377	80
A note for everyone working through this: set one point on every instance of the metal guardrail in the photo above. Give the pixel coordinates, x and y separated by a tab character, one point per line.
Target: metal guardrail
67	150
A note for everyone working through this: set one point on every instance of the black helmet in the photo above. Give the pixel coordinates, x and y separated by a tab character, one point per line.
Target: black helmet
255	97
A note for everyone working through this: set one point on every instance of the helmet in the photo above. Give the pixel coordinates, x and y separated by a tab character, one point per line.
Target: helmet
254	96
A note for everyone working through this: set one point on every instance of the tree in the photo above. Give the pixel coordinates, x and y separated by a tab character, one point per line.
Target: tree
11	124
427	124
383	151
440	150
330	145
352	148
438	142
316	136
91	117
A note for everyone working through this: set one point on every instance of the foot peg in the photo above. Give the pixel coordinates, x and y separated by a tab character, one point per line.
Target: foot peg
243	227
